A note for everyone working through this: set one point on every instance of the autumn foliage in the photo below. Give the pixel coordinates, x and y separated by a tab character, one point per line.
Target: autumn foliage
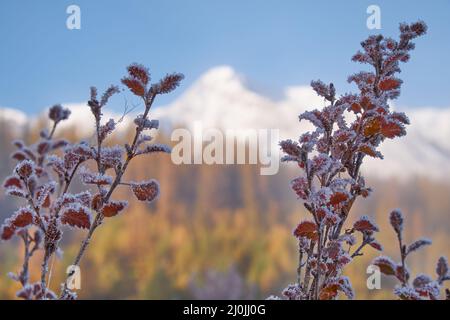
349	129
46	170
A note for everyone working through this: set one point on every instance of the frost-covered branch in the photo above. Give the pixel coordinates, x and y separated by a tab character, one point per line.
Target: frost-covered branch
349	129
47	169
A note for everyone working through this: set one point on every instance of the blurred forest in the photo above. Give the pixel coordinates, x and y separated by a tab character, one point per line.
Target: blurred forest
219	232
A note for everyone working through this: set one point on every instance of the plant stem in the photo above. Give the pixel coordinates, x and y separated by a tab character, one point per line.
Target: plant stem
99	216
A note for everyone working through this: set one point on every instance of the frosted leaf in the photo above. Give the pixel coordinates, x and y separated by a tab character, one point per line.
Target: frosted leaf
348	238
145	123
146	190
300	186
396	219
327	216
339	184
84	198
59	143
70	160
321	164
88	177
106	129
12	181
401	117
306	229
43	147
323	90
346	287
76	215
18	143
43	194
143	138
111	157
292	292
338	199
421	281
6	231
366	225
135	85
391	128
167	84
25	169
21	218
14	191
431	290
291	148
152	148
313	117
343	259
370	150
442	267
407	293
83	150
139	72
386	265
57	113
113	208
418	244
57	164
333	251
308	140
376	245
19	156
321	197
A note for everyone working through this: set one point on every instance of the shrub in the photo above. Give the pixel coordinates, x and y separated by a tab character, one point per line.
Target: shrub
46	170
349	129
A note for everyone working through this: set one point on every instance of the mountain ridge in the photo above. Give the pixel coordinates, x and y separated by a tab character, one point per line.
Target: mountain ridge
221	99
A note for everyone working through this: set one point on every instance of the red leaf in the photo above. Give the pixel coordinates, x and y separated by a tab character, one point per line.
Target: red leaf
376	245
146	191
113	208
307	229
391	129
386	265
25	168
401	273
96	202
139	72
365	225
389	84
12	181
19	156
169	83
369	150
372	127
76	216
6	232
329	292
135	86
355	107
396	220
337	198
22	218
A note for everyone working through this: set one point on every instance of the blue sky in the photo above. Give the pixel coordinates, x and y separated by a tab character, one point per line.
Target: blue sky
273	43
